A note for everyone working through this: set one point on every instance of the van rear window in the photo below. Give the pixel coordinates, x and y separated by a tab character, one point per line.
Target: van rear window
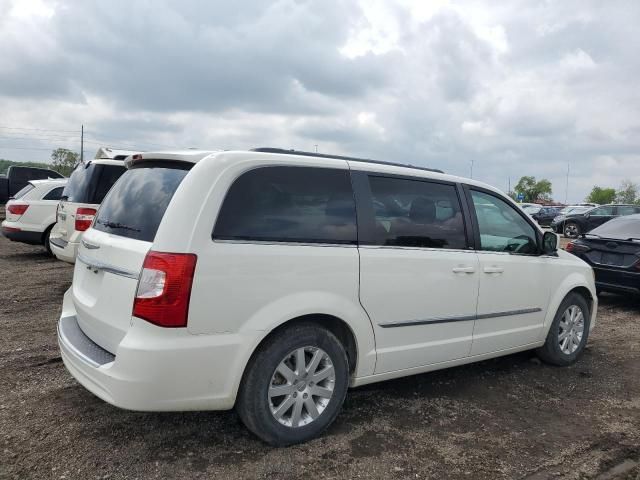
90	183
134	207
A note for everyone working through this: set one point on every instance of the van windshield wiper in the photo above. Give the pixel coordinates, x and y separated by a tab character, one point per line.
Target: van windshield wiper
117	225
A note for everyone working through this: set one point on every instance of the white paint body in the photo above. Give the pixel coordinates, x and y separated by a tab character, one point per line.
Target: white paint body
242	291
41	213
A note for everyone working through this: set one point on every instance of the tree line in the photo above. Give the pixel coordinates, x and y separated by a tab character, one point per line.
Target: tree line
540	191
62	161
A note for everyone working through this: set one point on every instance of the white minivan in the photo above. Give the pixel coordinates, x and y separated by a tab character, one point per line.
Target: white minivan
273	280
88	185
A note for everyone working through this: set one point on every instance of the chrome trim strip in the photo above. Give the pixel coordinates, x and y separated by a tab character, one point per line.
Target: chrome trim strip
460	318
95	265
287	243
89	246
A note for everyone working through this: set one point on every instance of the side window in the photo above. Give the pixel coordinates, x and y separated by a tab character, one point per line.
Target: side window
289	204
605	211
54	194
626	210
416	213
109	174
502	228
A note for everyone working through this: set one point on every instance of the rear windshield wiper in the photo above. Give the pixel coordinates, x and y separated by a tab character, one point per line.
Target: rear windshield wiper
120	226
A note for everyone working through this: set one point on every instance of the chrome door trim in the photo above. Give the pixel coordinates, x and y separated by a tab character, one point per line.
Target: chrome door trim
459	318
96	266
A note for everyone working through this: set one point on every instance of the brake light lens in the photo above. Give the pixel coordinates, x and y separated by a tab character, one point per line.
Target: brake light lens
84	218
164	289
574	247
17	208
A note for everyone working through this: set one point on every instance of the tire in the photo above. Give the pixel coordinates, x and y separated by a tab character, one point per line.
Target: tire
45	240
561	352
571	230
258	411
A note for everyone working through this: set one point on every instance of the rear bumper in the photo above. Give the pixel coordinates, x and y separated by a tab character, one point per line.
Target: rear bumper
15	233
617	280
156	369
63	250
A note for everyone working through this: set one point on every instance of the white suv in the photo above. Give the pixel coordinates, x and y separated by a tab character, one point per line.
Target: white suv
31	213
272	281
87	186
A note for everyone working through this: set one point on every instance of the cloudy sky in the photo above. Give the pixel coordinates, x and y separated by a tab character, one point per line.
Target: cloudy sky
518	87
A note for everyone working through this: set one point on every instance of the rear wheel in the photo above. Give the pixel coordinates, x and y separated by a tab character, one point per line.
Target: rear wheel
569	332
571	230
45	240
294	386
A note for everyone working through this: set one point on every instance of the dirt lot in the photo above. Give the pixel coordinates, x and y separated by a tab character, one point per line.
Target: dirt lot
507	418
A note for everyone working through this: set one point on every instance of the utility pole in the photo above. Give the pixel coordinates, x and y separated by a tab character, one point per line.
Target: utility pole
509	186
82	143
566	190
471	176
316	145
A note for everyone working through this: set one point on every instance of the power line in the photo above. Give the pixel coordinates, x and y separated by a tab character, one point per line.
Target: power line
39	129
26	148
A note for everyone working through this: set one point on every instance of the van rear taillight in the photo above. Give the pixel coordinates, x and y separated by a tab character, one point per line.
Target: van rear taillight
17	208
84	217
164	288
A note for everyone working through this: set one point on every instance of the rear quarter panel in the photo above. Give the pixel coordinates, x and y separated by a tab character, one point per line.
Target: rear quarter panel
242	287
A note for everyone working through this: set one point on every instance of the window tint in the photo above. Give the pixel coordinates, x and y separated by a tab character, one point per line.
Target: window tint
22	192
77	187
289	204
109	174
136	204
502	228
602	211
54	194
627	210
416	213
90	183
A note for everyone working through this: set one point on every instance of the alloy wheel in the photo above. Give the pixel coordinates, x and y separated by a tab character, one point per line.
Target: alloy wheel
571	230
301	387
571	329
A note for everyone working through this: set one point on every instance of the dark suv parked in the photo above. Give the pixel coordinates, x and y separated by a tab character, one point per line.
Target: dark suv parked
545	215
573	225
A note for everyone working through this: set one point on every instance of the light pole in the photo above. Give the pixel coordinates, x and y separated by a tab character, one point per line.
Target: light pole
566	190
471	176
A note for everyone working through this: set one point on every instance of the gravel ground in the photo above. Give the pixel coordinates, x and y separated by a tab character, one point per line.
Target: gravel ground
511	417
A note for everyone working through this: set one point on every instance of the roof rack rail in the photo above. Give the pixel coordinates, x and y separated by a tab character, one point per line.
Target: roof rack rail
282	151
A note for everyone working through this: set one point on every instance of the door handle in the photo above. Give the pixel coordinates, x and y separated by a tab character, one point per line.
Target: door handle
493	270
467	269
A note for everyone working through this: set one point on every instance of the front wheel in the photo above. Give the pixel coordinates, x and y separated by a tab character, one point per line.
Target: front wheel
571	230
569	332
294	386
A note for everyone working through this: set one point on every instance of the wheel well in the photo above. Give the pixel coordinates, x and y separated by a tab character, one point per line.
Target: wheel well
586	294
338	327
47	230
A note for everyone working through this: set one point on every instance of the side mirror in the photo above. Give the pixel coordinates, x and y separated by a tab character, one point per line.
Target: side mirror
587	215
549	243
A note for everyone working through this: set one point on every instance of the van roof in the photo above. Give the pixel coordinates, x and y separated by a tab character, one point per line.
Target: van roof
53	181
194	156
113	153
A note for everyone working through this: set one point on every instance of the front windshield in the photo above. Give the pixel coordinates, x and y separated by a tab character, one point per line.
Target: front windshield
532	208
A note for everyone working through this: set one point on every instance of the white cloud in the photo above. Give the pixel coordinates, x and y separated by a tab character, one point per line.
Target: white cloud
522	88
